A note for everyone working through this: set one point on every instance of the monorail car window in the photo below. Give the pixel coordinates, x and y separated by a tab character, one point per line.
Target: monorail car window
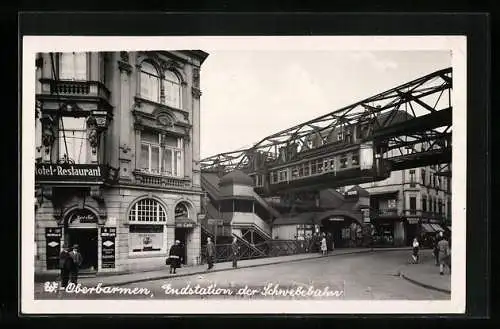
320	166
306	169
343	162
313	168
355	159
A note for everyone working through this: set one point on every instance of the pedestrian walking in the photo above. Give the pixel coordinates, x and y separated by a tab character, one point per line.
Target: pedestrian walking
175	256
416	247
235	252
76	262
435	250
210	253
323	246
444	255
65	266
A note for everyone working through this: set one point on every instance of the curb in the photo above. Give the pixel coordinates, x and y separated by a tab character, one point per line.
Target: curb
424	285
167	276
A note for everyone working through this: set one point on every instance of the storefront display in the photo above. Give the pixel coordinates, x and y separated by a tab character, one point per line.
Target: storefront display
146	238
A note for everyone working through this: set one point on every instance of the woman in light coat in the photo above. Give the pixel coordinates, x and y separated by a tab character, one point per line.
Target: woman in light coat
323	246
416	247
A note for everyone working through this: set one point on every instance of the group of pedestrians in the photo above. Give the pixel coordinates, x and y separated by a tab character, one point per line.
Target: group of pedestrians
175	256
70	261
441	252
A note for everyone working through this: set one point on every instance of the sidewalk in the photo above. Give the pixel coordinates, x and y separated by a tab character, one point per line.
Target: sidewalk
426	273
124	279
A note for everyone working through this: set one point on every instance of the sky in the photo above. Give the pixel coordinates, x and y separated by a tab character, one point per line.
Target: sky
248	95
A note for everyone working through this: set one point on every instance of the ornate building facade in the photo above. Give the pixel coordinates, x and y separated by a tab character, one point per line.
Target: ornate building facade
117	157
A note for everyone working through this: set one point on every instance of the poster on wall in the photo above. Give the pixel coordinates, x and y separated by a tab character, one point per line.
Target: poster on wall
53	246
145	238
108	235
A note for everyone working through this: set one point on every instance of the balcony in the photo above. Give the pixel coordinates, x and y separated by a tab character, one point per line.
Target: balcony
150	179
88	89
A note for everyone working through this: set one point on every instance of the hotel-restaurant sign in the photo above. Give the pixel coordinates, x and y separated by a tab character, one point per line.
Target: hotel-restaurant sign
51	172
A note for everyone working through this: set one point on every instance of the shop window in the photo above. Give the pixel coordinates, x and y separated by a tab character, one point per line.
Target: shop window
150	82
161	154
145	238
73	66
73	139
424	203
147	218
172	85
435	206
440	207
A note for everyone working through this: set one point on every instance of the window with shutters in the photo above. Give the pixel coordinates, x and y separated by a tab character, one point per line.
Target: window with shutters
73	66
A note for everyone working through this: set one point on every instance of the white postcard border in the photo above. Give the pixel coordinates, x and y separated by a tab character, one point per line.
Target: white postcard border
456	44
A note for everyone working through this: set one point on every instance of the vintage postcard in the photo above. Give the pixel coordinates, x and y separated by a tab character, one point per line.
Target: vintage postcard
222	175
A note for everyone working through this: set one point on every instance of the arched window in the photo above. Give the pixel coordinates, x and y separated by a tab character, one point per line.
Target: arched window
147	210
181	210
172	85
147	220
150	82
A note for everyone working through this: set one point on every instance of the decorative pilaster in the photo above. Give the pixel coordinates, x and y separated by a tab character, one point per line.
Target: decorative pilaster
48	136
123	63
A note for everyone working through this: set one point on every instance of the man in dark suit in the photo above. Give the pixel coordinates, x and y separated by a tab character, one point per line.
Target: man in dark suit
235	251
65	266
210	253
76	262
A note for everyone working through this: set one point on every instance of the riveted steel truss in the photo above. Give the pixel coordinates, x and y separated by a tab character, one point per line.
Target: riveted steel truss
414	118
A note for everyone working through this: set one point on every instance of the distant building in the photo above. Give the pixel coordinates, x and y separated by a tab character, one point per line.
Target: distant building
410	203
117	157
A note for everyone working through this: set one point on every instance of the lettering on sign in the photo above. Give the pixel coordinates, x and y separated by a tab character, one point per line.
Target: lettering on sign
184	225
108	235
82	216
52	247
72	172
336	219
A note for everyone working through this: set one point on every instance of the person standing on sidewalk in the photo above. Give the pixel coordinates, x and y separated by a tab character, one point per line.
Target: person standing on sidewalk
65	266
175	256
210	253
444	255
76	262
416	247
235	251
323	245
436	248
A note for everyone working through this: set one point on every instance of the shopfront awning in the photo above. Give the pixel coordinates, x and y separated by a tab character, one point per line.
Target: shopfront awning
437	227
427	228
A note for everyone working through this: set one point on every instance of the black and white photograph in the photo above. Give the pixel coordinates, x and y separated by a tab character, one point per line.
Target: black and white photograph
188	175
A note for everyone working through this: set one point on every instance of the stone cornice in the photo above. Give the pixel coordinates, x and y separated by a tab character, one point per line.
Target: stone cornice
139	100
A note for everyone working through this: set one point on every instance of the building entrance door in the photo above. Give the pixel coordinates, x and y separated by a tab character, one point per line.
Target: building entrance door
181	235
86	239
